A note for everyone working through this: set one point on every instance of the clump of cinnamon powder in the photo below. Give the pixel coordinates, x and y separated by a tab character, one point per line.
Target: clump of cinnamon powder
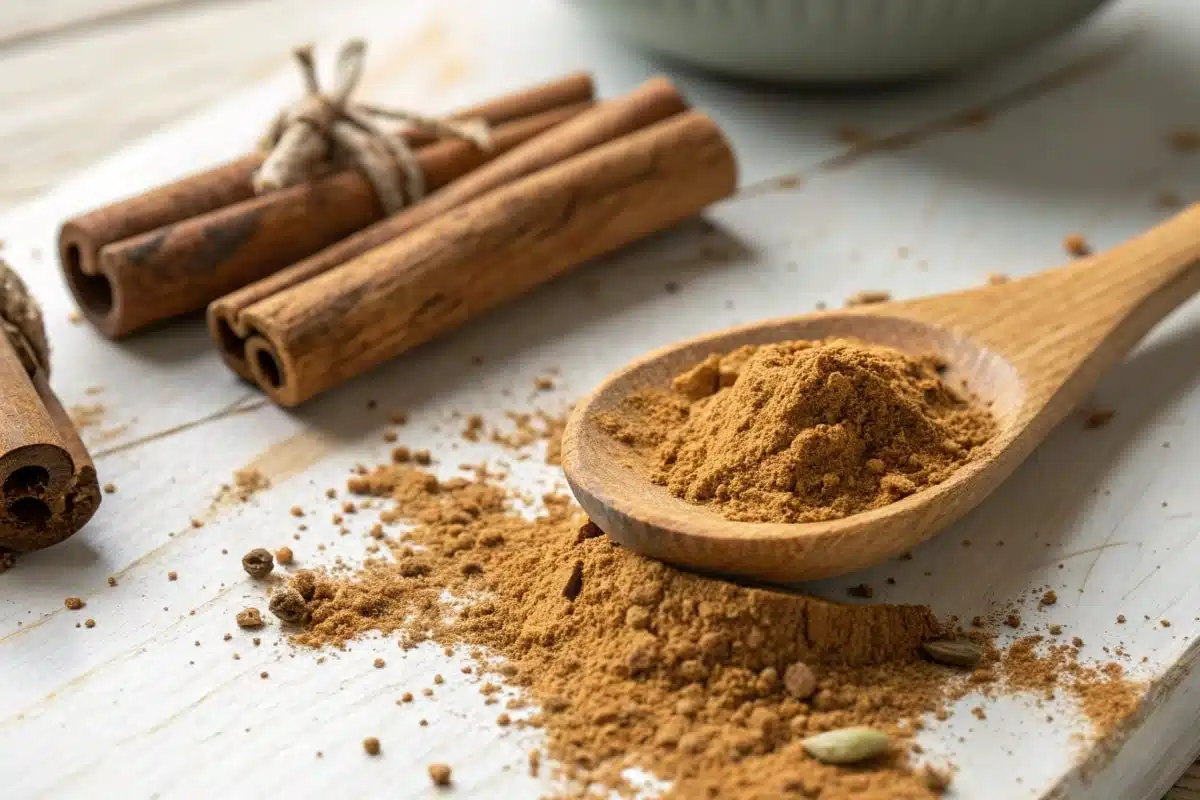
802	431
628	662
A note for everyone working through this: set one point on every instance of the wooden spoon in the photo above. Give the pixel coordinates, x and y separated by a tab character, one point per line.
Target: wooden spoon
1033	348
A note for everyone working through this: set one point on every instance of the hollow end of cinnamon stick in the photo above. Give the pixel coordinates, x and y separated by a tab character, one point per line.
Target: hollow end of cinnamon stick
97	298
268	369
48	484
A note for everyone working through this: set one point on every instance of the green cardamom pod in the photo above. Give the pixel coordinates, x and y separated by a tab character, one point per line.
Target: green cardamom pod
957	652
846	745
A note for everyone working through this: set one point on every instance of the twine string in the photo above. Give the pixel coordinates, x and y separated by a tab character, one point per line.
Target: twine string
324	130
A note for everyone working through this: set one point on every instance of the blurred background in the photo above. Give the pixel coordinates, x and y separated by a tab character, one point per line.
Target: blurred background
81	78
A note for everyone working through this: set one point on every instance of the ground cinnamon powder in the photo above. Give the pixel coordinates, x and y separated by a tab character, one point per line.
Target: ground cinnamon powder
628	662
802	431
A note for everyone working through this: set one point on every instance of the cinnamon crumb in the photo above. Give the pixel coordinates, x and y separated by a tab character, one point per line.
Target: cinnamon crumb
868	297
976	118
284	555
474	428
249	618
1168	200
543	384
1076	245
172	575
380	663
852	135
935	779
89	623
74	603
371	745
439	774
110	488
1049	598
297	511
112	581
1185	140
1013	620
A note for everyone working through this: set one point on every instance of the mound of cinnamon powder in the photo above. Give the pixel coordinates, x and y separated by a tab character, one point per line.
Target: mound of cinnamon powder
802	431
627	662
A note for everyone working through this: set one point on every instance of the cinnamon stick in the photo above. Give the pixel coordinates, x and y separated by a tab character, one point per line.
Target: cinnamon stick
83	238
320	333
180	268
48	486
651	102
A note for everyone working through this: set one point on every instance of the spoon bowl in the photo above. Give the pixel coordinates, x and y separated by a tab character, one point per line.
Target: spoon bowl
1012	344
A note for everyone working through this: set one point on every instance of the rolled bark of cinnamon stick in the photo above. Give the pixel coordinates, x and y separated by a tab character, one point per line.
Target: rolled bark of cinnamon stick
83	239
48	486
320	333
653	101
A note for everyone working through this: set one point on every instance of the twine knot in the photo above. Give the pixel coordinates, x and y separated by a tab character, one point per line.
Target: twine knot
325	130
21	321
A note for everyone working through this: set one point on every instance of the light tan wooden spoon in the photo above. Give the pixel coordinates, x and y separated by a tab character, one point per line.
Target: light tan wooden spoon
1033	348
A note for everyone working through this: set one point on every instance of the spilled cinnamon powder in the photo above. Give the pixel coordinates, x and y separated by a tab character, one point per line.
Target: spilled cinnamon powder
624	662
802	431
630	662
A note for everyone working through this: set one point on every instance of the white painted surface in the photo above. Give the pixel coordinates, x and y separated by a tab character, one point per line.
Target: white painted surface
138	710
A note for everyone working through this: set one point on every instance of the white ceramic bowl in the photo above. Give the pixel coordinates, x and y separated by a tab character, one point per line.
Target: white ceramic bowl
836	41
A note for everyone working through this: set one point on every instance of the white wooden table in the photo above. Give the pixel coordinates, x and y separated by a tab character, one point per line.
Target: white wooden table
150	702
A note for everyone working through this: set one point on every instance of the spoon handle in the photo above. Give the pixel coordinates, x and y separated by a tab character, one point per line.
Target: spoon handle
1075	322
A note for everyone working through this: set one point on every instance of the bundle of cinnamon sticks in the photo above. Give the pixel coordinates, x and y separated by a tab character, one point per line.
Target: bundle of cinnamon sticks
311	285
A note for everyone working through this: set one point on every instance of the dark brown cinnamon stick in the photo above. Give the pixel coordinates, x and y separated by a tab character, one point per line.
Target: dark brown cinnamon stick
48	486
651	102
324	331
82	238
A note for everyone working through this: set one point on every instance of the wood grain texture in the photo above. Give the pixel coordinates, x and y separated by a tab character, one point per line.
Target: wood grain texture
1010	343
940	207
